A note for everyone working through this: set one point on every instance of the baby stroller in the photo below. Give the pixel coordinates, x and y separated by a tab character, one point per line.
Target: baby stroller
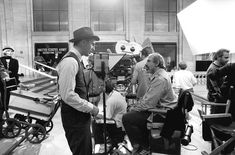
33	113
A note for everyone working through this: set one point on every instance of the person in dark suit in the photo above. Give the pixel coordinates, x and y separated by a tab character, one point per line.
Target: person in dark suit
3	76
10	63
229	71
12	67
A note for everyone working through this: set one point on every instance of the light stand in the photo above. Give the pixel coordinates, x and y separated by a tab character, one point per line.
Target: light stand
104	107
101	65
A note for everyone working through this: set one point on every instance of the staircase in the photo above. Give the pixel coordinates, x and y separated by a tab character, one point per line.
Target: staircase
42	85
40	82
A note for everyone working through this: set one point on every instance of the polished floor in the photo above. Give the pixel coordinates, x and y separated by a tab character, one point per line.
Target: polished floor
55	143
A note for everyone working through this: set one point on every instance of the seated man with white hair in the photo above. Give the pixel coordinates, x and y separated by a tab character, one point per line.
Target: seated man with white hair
159	95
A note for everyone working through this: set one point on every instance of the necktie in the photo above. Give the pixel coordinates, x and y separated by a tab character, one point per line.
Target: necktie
8	62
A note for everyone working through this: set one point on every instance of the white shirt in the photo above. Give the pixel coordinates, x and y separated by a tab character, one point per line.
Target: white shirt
67	70
184	79
116	107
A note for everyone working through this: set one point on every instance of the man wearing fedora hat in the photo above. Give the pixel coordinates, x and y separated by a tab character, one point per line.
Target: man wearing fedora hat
76	111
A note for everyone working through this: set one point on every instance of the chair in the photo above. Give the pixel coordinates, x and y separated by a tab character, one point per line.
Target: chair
114	137
219	127
167	127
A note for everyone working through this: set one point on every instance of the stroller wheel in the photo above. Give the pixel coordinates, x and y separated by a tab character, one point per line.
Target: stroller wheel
49	126
23	118
35	134
11	128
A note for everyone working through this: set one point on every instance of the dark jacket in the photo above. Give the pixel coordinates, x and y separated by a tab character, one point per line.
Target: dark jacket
13	67
213	86
228	71
176	118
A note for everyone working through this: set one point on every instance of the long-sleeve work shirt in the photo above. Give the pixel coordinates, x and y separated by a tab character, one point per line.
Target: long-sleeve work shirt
67	70
160	93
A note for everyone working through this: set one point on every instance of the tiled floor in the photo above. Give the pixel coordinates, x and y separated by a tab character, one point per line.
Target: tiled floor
56	143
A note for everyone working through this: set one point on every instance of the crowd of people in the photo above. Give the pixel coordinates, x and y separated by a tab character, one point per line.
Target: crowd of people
154	90
80	89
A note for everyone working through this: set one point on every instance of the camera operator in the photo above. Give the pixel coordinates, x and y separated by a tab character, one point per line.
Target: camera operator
94	82
140	76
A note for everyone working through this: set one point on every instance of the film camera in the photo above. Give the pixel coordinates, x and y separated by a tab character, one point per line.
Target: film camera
123	67
187	136
122	71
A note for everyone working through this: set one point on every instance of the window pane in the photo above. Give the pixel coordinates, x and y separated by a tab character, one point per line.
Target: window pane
173	5
119	5
63	5
107	15
148	5
107	21
160	5
37	18
50	5
37	4
161	21
51	21
94	21
50	15
94	5
164	15
64	21
119	21
148	21
172	22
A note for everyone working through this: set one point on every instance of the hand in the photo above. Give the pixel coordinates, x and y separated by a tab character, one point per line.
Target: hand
7	78
95	111
131	108
99	116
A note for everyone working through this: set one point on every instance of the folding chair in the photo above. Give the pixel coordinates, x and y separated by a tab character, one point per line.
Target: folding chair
218	128
167	127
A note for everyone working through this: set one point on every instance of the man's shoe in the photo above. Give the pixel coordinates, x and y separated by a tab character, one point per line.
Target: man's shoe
136	149
144	152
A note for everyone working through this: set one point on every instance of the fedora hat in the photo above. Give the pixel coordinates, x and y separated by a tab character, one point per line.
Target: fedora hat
84	33
8	48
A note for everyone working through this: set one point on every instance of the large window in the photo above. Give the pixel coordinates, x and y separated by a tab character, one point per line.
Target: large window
50	15
160	15
107	15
